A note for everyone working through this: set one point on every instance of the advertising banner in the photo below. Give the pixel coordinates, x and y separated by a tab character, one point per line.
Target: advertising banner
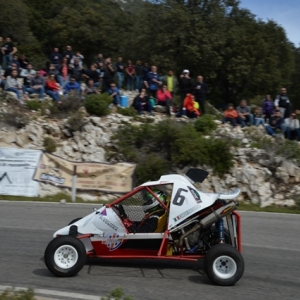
115	178
17	168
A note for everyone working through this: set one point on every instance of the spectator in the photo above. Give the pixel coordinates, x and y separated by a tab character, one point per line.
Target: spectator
201	90
100	58
139	74
141	103
90	88
171	82
276	122
258	117
72	86
189	107
9	70
245	115
152	82
185	84
12	84
23	61
64	72
55	58
16	61
282	102
108	76
292	127
27	75
37	85
1	55
164	98
130	71
52	88
268	108
230	115
120	68
79	58
53	71
146	70
114	93
68	54
75	70
92	74
8	50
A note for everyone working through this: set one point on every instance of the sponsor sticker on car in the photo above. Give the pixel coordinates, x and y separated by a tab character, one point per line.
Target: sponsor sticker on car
186	213
113	241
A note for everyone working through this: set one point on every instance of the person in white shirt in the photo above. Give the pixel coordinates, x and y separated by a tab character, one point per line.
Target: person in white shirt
292	127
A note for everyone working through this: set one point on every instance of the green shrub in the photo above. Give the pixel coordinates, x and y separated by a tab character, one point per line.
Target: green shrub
11	294
127	111
117	294
205	124
98	104
76	121
16	119
49	145
33	104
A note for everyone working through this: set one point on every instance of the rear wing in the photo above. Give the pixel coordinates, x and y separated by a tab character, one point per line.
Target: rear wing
196	175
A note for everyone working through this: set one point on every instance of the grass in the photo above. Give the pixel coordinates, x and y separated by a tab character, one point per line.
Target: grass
248	206
11	294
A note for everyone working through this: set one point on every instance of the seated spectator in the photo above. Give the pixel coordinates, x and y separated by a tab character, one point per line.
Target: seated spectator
92	74
16	61
292	127
141	103
52	88
189	110
90	88
12	84
77	57
164	98
258	117
72	86
7	73
276	122
114	93
23	61
230	115
28	74
55	58
64	72
37	85
75	70
245	115
53	71
268	108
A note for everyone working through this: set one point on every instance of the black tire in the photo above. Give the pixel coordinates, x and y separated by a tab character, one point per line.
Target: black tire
72	247
73	221
229	259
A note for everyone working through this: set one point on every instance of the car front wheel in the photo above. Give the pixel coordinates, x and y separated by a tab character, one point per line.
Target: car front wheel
65	256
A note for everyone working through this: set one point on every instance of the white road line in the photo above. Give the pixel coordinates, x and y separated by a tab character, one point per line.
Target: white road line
53	293
56	203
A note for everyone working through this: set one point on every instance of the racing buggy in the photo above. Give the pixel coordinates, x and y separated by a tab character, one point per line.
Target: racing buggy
167	219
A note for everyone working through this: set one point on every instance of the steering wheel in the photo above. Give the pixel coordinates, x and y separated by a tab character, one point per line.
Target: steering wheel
122	212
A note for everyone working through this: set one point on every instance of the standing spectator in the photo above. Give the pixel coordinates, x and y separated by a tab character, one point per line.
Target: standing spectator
258	117
64	72
171	82
141	103
37	85
79	58
52	88
92	74
23	61
28	75
72	86
55	58
230	115
12	84
276	122
185	84
114	93
130	71
164	98
75	70
282	102
244	112
292	127
120	68
90	88
201	90
146	70
189	110
268	108
68	54
1	55
100	58
139	74
8	50
152	82
109	73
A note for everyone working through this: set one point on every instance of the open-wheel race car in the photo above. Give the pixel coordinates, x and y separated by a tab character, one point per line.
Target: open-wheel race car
167	219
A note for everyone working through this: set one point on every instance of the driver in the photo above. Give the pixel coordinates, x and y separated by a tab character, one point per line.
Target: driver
153	211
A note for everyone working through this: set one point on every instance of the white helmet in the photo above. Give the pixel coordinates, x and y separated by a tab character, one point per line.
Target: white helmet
151	203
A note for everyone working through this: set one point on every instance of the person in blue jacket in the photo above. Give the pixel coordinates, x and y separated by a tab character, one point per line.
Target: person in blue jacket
73	85
152	81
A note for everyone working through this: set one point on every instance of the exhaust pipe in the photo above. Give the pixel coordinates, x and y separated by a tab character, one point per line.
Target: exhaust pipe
212	218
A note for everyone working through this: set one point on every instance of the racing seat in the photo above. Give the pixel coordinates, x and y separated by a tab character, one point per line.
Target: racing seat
163	220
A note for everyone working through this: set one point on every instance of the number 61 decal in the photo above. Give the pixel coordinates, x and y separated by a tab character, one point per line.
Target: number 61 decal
179	199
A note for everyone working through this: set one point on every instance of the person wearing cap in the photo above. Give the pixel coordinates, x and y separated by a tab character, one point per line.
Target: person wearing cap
171	82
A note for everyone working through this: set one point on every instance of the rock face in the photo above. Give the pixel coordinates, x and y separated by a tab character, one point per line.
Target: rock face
264	178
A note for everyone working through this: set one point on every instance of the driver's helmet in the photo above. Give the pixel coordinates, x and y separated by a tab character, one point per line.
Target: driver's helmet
151	203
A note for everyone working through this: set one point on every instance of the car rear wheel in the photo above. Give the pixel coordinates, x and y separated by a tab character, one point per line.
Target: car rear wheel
224	265
65	256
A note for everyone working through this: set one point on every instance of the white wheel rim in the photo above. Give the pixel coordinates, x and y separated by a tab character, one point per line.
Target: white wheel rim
224	267
65	257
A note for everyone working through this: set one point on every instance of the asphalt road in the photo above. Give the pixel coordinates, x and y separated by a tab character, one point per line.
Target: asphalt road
271	249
